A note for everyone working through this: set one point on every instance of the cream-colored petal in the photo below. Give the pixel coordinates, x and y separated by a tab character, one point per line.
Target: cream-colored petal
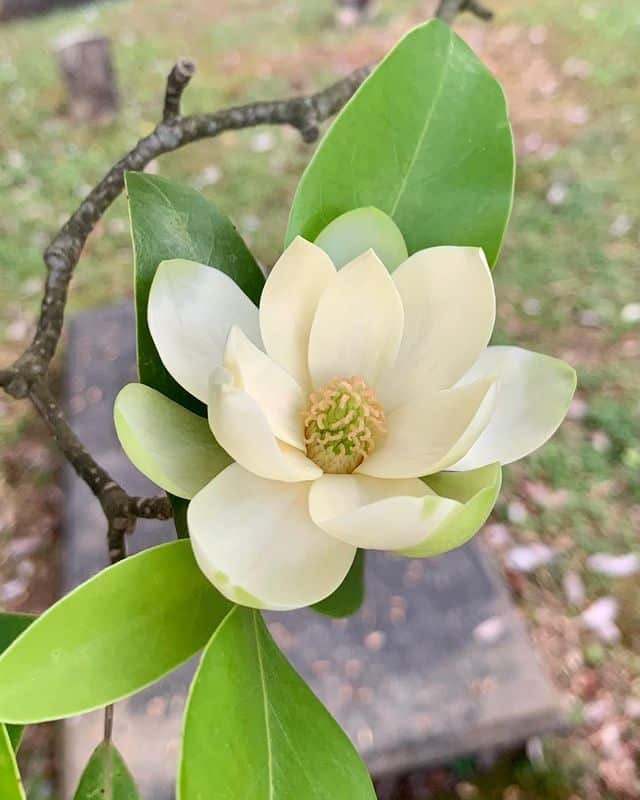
272	387
449	312
534	392
430	434
475	493
242	428
288	304
170	445
191	310
255	541
375	513
358	324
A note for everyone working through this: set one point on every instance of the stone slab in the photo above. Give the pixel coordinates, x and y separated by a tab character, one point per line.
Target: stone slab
435	665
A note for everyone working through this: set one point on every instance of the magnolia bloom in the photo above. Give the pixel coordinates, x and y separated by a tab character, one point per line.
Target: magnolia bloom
354	409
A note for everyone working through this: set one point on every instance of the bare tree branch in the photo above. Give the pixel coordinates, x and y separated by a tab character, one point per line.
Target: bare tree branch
27	376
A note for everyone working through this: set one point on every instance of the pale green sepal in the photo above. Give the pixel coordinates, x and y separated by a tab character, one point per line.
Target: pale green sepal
10	783
477	490
115	634
354	232
169	444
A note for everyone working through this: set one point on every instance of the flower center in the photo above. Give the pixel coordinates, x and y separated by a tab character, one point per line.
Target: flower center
342	423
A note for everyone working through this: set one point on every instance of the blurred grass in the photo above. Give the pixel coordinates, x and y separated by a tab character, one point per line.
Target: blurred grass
567	270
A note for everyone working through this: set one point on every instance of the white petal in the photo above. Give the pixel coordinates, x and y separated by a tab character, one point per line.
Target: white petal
255	541
170	445
358	324
288	304
534	392
449	312
191	310
242	428
273	389
432	433
378	514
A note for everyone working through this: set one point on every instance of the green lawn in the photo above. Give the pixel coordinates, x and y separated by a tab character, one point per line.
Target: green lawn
568	268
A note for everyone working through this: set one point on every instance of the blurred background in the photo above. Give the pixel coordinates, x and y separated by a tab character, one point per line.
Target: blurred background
566	531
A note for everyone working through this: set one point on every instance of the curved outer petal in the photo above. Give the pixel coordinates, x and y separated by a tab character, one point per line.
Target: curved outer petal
375	513
449	312
242	428
534	392
255	541
170	445
273	389
191	309
476	493
358	324
288	304
432	433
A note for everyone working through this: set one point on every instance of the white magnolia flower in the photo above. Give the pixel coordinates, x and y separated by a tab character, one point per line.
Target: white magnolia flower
333	410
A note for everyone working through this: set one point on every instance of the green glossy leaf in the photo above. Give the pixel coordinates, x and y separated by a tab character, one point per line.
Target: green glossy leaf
426	139
348	597
106	777
10	783
477	490
353	233
169	444
169	220
113	635
254	729
11	626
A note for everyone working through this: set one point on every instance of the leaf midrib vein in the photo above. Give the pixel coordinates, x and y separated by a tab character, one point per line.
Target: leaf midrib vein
425	128
265	703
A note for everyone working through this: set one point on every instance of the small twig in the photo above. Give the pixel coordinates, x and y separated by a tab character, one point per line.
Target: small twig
177	82
108	723
448	10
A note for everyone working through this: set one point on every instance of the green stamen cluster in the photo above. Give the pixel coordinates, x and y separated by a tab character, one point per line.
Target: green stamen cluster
342	424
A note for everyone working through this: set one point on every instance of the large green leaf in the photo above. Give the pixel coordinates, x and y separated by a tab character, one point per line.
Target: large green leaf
113	635
169	220
10	783
106	777
348	597
425	139
254	729
11	626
